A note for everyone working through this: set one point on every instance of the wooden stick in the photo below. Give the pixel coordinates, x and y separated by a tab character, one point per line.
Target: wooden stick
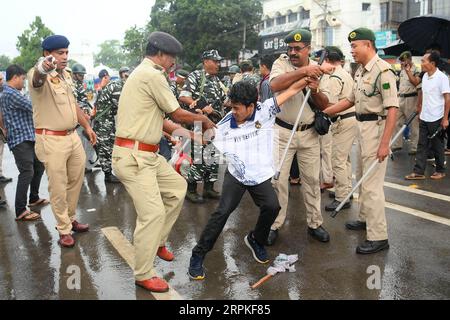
261	281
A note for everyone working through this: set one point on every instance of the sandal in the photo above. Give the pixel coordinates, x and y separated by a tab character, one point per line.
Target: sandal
28	216
437	175
415	176
40	202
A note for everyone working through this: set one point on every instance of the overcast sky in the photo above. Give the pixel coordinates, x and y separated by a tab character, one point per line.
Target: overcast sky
81	21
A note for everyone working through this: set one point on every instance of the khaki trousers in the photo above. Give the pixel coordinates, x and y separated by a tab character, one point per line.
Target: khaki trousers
64	159
406	107
158	195
371	199
343	134
306	145
326	169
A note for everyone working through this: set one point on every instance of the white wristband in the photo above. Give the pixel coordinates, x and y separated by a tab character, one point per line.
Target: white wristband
41	68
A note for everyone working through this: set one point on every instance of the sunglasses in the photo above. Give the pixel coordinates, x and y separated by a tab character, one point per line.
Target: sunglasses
296	49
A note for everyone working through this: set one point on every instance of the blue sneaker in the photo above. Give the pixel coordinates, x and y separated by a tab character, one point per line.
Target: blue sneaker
259	252
196	271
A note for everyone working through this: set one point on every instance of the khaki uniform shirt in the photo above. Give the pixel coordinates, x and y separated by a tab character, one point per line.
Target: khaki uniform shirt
146	98
54	103
337	87
405	85
291	108
374	88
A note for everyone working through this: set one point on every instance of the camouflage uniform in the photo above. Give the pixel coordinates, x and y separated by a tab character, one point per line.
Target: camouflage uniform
205	169
80	94
105	124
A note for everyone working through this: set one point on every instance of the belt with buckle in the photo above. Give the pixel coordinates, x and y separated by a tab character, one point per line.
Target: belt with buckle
407	95
343	116
288	126
54	132
130	143
369	117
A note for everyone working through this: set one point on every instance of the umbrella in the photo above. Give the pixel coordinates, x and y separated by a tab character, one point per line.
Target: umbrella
398	47
421	32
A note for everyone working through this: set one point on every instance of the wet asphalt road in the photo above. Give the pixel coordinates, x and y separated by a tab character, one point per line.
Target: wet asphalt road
417	265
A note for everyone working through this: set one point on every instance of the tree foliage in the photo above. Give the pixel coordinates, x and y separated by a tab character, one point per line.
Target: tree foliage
111	54
29	43
134	45
5	62
206	24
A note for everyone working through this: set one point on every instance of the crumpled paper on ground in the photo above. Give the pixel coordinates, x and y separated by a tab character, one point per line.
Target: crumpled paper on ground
283	263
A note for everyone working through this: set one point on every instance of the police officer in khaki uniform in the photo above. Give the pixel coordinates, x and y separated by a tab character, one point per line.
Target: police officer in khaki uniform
287	69
156	189
339	86
375	99
407	92
58	146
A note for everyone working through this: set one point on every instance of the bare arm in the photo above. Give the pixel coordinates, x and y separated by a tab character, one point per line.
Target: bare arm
342	105
419	103
284	81
47	66
413	79
85	124
444	123
383	149
295	88
183	116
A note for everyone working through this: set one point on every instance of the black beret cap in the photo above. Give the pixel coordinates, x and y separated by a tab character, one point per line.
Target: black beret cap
165	42
299	35
55	42
361	34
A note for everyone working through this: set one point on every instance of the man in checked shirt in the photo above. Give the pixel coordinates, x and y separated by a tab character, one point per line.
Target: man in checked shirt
18	125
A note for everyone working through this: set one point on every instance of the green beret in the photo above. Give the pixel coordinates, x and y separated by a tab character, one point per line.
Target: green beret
405	55
334	53
299	35
182	73
361	34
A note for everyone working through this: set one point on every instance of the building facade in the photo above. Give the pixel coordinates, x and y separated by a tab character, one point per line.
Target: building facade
330	21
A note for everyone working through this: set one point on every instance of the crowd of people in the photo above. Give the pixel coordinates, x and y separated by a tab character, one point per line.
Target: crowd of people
257	122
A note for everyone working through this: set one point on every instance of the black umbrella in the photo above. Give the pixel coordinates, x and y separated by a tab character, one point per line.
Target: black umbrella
398	47
420	33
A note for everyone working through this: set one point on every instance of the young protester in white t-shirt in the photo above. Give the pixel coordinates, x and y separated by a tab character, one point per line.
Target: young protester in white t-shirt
245	138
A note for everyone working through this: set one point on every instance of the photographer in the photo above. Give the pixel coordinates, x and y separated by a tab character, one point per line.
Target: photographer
203	93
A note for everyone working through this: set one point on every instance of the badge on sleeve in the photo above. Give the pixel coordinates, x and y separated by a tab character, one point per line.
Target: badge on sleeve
386	86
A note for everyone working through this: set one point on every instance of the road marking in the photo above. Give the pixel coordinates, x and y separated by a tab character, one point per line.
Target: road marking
418	213
414	189
418	191
126	251
413	212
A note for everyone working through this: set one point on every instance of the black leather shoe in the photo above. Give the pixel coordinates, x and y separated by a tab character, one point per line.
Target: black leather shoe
273	235
319	234
356	225
110	178
372	246
332	195
332	206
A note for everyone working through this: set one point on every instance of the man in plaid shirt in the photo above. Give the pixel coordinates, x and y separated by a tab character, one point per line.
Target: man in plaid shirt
18	126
